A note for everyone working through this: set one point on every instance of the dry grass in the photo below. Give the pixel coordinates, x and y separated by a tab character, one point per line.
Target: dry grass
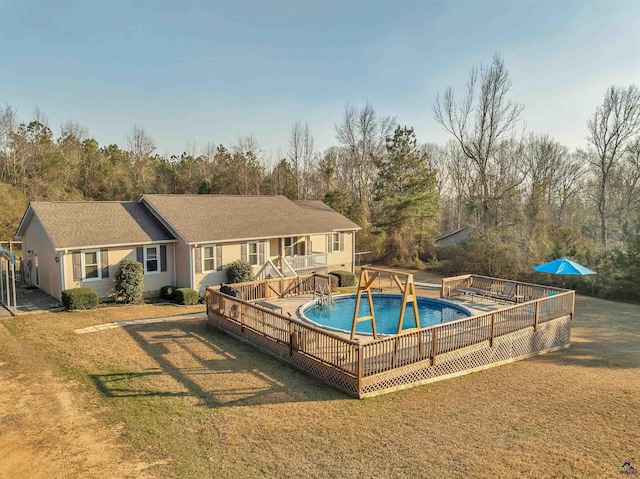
214	407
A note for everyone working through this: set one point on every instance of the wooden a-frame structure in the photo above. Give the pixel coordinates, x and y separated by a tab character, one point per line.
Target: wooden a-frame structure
365	283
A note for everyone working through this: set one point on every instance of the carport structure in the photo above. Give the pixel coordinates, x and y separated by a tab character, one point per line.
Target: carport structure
8	280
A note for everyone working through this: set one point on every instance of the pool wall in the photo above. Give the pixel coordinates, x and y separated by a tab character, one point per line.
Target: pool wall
301	310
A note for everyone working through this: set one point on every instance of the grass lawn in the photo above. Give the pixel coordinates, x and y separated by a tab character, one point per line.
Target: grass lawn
200	404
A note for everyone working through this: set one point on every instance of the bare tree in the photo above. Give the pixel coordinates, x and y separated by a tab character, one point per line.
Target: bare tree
459	176
543	158
140	146
246	162
8	162
481	121
363	134
73	129
568	183
300	154
612	127
625	190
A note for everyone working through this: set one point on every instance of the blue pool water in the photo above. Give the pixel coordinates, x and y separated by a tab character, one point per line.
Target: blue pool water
387	308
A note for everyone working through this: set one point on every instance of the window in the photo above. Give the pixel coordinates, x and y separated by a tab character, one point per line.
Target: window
91	265
335	242
252	254
208	258
289	246
151	259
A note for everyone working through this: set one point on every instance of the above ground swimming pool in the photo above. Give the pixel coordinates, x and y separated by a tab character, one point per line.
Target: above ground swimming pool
339	316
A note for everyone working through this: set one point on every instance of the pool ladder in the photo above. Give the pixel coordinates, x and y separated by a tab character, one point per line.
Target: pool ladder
322	295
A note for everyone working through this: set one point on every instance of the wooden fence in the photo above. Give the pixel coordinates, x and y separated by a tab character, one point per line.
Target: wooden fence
451	287
369	367
277	287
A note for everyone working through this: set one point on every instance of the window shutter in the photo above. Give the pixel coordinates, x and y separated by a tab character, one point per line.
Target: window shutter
77	265
198	258
104	261
219	257
261	252
163	257
140	255
341	235
243	251
328	245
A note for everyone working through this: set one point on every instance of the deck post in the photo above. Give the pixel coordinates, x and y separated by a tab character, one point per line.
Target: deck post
394	358
243	309
290	338
573	303
360	367
434	345
493	325
535	320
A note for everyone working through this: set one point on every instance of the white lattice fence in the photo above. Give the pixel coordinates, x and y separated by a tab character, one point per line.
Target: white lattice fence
520	344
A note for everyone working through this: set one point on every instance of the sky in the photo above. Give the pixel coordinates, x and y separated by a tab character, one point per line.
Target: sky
193	73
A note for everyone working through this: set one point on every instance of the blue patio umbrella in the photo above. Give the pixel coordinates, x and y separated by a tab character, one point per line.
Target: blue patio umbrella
563	266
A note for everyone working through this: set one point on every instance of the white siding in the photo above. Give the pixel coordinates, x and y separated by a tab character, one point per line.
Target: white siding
35	239
106	287
230	253
342	260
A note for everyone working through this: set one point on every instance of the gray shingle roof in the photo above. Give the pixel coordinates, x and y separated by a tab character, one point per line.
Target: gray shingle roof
211	218
71	224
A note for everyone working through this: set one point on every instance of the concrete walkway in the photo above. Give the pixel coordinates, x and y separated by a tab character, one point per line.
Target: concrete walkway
32	300
120	324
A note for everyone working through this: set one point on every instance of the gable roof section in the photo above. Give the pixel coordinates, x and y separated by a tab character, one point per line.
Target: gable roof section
213	218
81	224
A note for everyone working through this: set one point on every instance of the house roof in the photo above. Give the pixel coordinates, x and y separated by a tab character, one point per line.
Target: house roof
80	224
212	218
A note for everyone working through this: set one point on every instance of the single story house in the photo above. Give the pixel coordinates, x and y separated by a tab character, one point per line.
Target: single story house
181	240
454	237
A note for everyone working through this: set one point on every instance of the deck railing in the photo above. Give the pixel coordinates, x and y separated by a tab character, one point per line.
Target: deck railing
268	271
276	287
296	336
451	287
347	364
427	343
307	261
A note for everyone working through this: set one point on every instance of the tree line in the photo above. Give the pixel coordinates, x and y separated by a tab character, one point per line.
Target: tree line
525	196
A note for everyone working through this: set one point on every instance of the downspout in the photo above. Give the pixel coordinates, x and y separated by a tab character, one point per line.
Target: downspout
174	264
62	285
353	252
190	267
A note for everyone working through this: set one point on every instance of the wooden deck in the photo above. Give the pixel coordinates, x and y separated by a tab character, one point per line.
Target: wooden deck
291	306
500	331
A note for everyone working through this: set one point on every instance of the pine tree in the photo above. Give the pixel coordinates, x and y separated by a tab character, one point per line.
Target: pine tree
407	206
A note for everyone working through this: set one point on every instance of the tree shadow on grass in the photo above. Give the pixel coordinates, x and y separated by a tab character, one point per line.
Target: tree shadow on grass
191	359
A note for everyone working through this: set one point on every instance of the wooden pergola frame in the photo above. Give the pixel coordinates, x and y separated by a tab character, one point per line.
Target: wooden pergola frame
365	283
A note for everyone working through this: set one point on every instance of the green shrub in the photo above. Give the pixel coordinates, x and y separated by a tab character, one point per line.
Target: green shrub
186	296
239	272
130	281
167	292
334	282
345	278
79	298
